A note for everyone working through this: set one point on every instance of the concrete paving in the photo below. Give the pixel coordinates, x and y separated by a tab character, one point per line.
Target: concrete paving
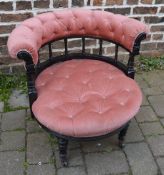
26	149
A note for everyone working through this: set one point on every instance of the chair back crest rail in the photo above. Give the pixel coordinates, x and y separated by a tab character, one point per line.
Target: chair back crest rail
44	29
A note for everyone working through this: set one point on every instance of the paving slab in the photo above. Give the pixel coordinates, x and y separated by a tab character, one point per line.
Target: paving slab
13	120
162	87
157	103
73	144
18	99
160	162
14	140
38	148
152	91
152	78
28	113
161	74
43	169
153	128
146	114
140	81
11	163
106	163
134	133
140	159
144	100
108	144
33	126
157	145
72	171
162	121
1	106
74	157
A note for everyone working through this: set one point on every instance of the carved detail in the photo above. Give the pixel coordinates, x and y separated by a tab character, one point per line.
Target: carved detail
63	143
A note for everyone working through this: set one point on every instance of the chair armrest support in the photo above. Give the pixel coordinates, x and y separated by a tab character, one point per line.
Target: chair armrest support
31	76
137	43
136	49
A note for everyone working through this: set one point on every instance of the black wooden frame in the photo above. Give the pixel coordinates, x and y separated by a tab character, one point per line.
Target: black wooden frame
33	71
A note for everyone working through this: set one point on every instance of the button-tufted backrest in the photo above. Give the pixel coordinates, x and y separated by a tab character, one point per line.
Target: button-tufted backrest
36	31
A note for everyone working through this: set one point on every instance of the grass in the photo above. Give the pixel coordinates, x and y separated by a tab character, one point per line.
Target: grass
9	82
150	63
23	149
25	164
19	129
52	140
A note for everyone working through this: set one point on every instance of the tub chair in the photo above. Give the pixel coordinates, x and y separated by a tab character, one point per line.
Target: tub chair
79	95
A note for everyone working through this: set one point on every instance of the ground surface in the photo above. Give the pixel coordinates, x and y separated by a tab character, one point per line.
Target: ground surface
25	149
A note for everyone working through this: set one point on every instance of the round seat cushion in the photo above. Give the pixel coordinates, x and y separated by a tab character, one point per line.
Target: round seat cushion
85	98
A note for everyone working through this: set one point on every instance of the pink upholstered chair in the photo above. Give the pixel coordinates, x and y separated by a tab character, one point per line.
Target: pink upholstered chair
84	96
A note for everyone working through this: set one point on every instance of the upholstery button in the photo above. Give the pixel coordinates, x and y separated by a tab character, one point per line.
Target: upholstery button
84	82
71	116
128	90
67	76
42	84
122	103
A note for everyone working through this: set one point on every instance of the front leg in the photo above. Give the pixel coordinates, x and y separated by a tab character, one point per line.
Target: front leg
63	143
121	136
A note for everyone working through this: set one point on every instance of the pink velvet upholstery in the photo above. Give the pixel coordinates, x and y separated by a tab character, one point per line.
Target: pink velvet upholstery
83	98
34	32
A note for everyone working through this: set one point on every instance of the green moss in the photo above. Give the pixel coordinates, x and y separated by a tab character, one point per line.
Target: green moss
7	108
109	149
52	160
150	63
8	82
29	118
52	140
23	149
19	129
25	164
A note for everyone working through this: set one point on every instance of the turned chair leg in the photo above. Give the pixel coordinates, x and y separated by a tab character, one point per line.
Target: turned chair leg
63	143
121	136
